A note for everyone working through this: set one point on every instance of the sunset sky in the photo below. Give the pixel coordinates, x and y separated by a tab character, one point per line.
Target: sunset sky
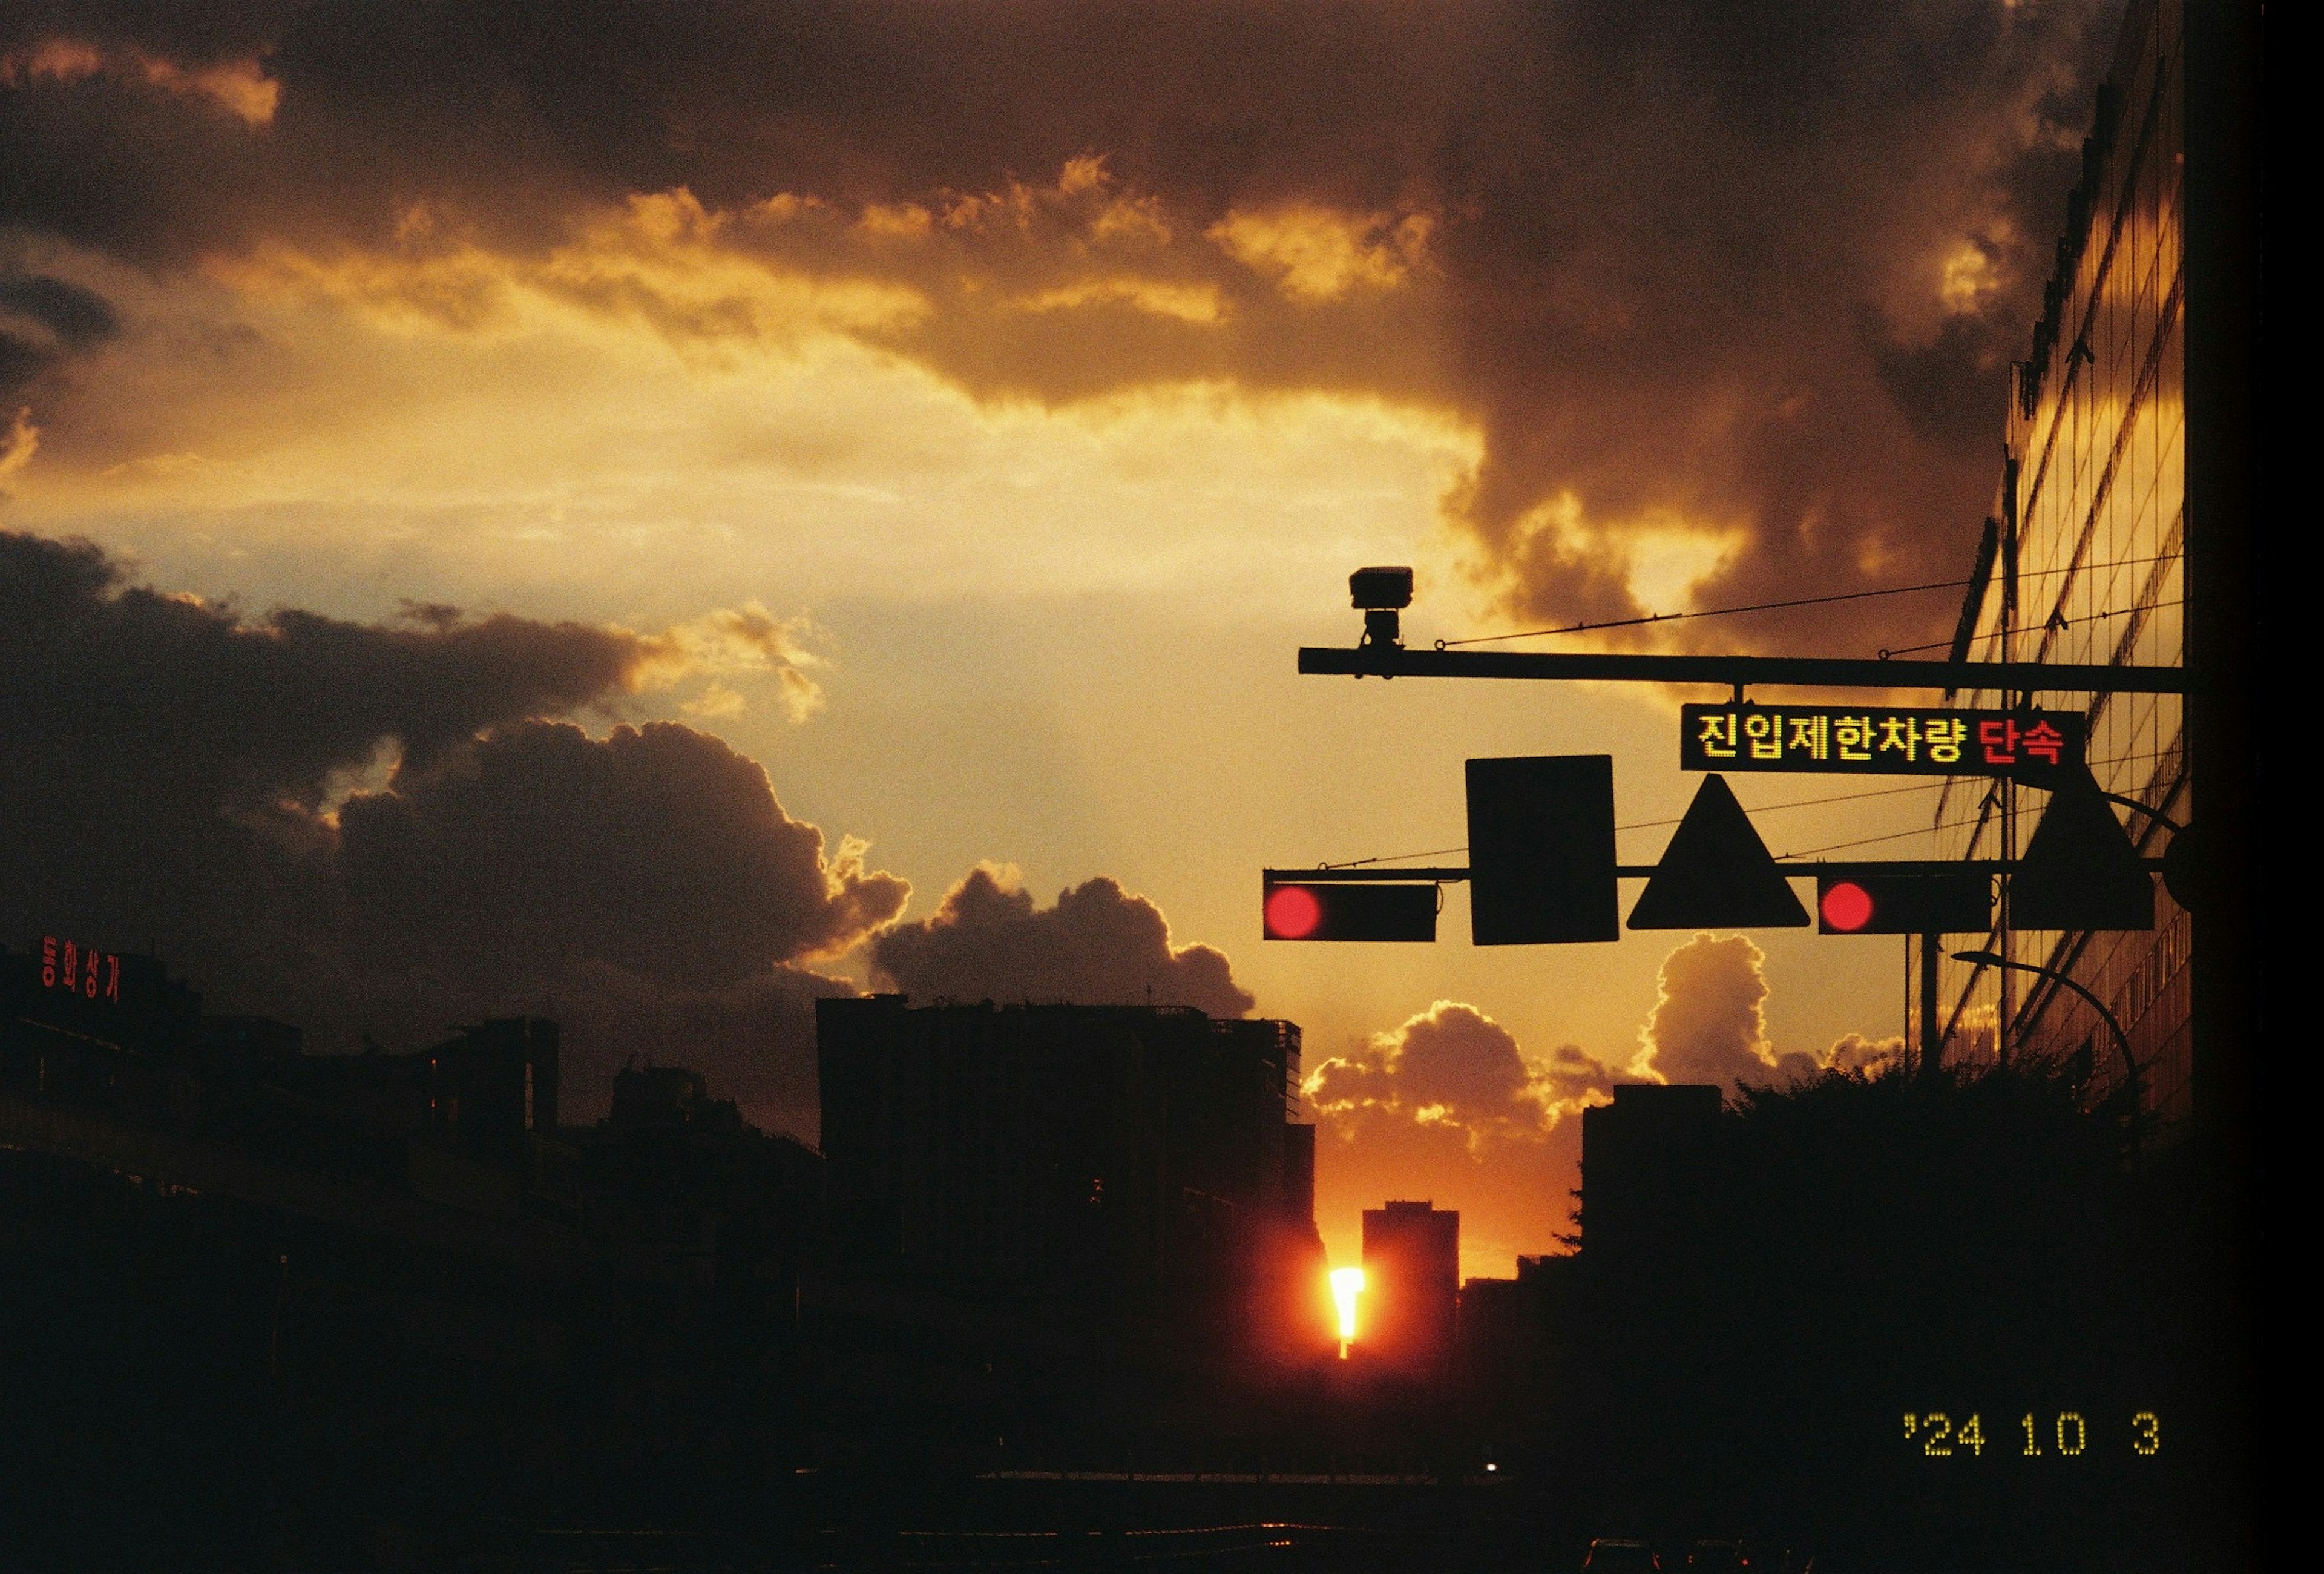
657	513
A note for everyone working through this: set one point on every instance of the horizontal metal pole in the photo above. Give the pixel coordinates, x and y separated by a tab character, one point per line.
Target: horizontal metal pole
1819	869
1358	876
1747	671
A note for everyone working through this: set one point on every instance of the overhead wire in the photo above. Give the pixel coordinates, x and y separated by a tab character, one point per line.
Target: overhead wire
1888	651
1800	601
1651	824
1707	612
1866	841
1776	606
1929	786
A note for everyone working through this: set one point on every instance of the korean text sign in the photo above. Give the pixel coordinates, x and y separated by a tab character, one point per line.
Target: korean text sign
1867	741
74	969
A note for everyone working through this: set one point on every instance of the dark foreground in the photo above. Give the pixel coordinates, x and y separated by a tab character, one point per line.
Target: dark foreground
1100	1521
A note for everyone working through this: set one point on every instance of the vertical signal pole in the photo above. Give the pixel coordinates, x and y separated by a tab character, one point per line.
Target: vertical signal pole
2006	1003
1932	1049
1907	1055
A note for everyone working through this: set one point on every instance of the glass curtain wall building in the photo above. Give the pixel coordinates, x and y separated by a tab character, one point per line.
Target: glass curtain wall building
2089	520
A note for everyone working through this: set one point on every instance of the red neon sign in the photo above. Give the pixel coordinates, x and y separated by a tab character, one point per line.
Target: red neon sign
70	967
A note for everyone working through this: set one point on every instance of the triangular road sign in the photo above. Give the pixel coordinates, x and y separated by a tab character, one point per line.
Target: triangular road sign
1716	874
2079	871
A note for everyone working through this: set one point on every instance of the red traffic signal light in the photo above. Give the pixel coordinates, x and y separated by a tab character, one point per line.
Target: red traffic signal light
1843	907
1330	911
1940	903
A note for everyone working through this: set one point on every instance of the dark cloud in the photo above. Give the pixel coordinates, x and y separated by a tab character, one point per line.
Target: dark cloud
1099	945
1749	270
754	1038
77	317
658	850
369	828
253	713
1945	387
44	321
196	32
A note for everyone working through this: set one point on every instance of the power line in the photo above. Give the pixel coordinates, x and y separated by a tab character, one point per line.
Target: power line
1652	824
1802	601
2023	574
1810	802
1392	858
1708	612
1888	652
1891	836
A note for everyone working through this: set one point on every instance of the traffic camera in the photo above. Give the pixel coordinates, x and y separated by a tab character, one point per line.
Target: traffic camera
1379	594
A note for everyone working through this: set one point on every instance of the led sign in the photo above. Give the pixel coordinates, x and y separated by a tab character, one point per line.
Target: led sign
1855	740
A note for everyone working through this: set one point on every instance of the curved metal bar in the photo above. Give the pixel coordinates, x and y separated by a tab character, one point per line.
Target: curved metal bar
2156	815
2122	1039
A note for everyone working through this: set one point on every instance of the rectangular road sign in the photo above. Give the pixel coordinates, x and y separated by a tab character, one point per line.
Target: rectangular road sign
1541	850
1858	740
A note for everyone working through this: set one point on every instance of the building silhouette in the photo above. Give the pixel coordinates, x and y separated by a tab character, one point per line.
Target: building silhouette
353	1282
1412	1287
1110	1157
1512	1334
1645	1169
2085	563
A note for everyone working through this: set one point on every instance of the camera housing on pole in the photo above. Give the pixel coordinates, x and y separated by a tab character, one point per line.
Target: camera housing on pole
1382	595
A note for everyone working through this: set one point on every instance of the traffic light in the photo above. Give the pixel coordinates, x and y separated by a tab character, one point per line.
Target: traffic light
1541	850
1329	911
1946	903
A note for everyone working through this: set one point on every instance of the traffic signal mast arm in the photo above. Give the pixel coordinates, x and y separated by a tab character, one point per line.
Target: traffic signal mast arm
1541	868
1819	869
1380	660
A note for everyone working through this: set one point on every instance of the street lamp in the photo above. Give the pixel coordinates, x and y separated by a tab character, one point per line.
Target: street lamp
2122	1039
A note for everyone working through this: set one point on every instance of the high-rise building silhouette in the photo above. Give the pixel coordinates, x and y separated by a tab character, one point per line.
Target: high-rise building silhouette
1114	1156
1412	1287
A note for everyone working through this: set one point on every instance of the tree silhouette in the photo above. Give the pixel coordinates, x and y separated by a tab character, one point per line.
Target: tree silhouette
1848	1249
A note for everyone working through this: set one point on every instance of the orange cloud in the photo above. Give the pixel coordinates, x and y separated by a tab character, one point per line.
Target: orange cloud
19	443
1446	1106
1709	1024
661	258
730	641
240	87
1454	1067
1196	303
1855	1052
1314	252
